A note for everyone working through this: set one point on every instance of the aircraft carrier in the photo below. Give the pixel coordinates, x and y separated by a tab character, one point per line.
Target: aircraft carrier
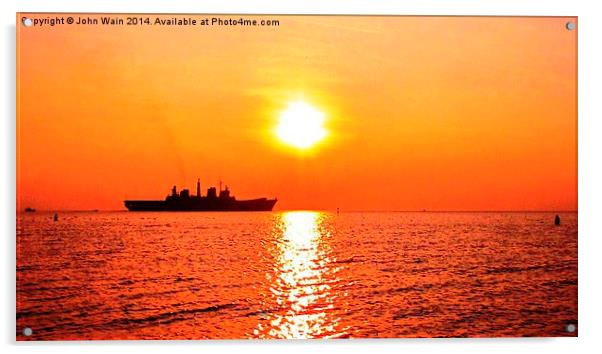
184	201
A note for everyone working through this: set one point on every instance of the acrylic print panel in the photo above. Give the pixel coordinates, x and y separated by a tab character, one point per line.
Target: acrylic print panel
226	176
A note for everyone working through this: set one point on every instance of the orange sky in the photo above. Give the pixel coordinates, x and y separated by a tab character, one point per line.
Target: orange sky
436	113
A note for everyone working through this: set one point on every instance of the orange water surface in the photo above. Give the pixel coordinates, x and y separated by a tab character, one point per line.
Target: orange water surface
301	274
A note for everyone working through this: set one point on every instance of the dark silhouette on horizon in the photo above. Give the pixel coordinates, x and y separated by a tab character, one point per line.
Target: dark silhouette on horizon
183	201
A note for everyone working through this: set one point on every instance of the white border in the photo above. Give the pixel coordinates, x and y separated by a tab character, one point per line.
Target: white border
590	212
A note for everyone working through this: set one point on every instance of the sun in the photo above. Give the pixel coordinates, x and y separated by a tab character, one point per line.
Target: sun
301	125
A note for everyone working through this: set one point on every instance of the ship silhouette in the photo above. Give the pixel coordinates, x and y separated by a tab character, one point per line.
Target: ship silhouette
213	201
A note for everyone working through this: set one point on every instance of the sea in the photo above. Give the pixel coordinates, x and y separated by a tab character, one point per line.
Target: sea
295	274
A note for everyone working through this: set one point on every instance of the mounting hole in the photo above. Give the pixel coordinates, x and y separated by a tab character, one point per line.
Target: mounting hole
27	22
570	25
571	328
27	331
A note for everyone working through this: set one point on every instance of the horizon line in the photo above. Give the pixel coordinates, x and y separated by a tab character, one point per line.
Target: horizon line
335	210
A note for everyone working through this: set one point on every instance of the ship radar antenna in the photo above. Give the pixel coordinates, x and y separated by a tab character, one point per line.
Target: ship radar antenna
220	184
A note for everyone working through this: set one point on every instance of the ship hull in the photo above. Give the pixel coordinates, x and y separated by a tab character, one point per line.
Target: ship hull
262	204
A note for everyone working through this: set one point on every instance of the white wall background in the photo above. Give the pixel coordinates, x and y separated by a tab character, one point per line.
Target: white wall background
590	172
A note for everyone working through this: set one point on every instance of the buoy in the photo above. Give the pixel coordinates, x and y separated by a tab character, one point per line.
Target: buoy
557	220
56	217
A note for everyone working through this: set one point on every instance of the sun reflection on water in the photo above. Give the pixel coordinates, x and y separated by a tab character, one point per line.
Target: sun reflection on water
302	281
